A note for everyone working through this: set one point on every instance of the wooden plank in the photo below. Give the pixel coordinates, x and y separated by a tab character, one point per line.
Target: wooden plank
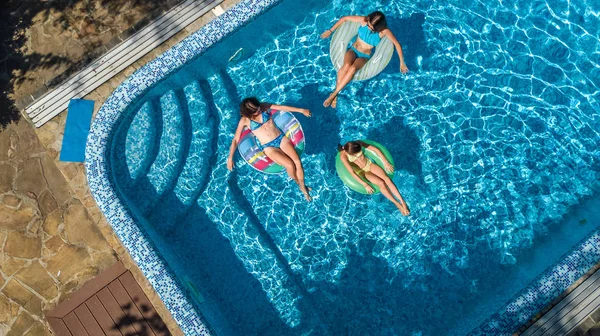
122	320
141	301
126	303
97	65
579	318
74	325
101	315
89	322
109	65
87	290
575	314
83	88
59	327
566	305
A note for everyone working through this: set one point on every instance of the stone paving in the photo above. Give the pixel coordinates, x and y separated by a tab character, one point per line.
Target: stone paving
53	237
50	245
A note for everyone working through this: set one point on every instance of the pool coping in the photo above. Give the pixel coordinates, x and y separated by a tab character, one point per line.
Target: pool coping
518	311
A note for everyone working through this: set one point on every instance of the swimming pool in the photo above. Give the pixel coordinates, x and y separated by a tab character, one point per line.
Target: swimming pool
494	134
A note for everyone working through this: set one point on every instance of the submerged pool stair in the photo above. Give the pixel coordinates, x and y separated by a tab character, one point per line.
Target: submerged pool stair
570	312
117	59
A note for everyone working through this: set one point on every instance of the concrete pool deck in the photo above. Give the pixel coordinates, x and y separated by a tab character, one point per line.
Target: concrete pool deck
53	237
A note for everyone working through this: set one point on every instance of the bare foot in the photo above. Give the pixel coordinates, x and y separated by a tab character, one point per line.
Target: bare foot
403	209
334	102
329	100
305	190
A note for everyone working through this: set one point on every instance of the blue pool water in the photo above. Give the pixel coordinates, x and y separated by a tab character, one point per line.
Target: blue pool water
494	133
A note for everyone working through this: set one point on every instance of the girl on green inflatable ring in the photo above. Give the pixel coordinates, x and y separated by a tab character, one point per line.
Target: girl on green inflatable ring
358	165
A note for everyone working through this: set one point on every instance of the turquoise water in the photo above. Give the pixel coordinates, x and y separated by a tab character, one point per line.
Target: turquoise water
494	133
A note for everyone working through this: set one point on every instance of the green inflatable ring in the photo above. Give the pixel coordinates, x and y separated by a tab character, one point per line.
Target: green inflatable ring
349	180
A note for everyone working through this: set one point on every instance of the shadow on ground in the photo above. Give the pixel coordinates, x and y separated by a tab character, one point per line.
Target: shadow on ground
18	15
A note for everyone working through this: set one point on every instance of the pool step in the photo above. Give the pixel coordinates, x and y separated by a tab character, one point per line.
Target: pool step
118	58
140	141
164	172
197	166
571	311
129	173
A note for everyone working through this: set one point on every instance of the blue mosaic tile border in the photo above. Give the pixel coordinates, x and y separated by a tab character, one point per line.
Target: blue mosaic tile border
140	248
518	311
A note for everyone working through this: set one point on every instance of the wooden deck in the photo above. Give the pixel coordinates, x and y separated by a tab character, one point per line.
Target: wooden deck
112	304
570	312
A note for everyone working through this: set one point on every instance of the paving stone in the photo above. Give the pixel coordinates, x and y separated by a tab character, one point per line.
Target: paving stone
30	177
47	133
46	202
5	314
53	245
16	292
28	142
2	240
34	306
7	176
20	246
23	323
11	201
64	261
52	222
11	219
35	227
14	309
80	229
104	259
11	266
68	169
56	181
36	277
6	144
38	330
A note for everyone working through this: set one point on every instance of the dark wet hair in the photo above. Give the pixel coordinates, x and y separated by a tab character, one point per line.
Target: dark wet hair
249	106
351	147
377	20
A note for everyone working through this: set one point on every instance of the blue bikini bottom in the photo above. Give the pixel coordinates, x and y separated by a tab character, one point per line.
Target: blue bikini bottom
276	143
358	53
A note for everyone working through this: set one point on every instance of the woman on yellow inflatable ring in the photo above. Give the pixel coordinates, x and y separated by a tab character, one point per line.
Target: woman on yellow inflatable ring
366	172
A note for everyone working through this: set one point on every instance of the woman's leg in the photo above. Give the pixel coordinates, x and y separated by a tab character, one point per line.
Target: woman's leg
389	184
288	148
287	157
349	58
383	187
343	81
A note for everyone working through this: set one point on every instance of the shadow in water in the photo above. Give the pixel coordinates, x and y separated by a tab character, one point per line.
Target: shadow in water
206	265
410	34
323	128
402	142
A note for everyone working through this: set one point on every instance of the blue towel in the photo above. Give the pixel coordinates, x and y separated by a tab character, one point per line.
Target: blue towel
77	128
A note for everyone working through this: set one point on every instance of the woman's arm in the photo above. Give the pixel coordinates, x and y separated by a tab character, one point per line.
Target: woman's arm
234	142
306	112
354	18
348	166
387	165
388	33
